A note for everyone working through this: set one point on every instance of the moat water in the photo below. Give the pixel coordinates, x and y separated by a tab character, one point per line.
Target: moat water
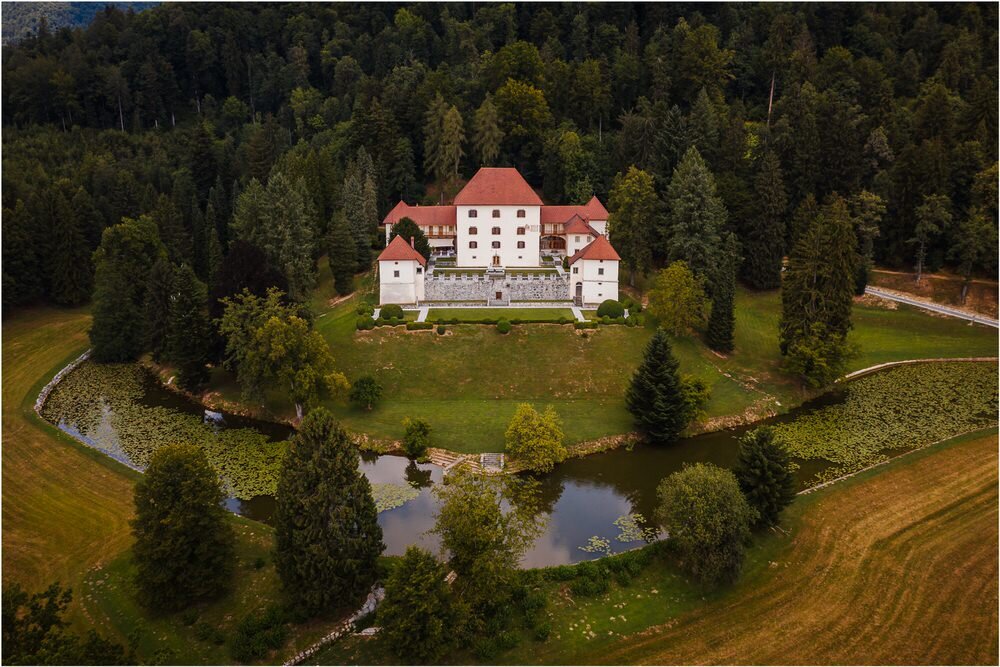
581	499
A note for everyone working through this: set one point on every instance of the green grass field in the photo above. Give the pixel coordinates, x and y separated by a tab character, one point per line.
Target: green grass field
467	384
509	314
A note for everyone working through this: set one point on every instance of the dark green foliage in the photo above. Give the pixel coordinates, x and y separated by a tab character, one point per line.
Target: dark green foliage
657	395
722	320
764	474
366	392
22	282
391	311
68	260
410	230
127	253
416	437
610	308
342	253
190	337
765	234
327	537
365	323
708	521
440	329
34	632
184	544
503	326
259	633
418	614
696	215
156	309
245	266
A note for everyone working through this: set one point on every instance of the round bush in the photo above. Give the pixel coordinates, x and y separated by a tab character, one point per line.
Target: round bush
365	309
392	311
610	308
365	323
503	326
440	329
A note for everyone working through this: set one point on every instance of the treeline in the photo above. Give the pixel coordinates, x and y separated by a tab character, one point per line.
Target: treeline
174	111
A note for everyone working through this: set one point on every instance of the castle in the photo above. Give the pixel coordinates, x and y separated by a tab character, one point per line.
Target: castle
496	225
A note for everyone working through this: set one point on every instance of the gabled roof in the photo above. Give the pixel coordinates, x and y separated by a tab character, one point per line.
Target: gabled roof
592	210
599	248
595	209
501	186
400	250
577	225
424	216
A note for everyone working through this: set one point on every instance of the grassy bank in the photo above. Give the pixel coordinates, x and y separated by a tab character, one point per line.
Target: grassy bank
509	314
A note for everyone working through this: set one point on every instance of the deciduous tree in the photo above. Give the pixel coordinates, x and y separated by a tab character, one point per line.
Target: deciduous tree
534	439
677	299
418	616
632	218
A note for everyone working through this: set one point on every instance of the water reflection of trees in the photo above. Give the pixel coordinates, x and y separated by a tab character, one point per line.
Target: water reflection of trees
417	477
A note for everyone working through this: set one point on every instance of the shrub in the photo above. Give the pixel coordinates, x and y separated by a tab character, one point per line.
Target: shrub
610	308
365	309
416	437
418	613
590	324
605	320
454	320
419	326
392	311
366	323
535	439
542	631
257	634
619	320
440	329
503	326
380	322
366	392
206	633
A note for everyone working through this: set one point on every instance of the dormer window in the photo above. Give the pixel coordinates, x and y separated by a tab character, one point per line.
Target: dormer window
520	213
496	231
496	213
473	230
473	213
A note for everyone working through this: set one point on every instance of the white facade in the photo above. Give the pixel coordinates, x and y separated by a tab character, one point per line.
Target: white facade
577	242
515	244
594	280
401	281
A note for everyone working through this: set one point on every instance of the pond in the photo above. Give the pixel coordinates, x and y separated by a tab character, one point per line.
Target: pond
126	413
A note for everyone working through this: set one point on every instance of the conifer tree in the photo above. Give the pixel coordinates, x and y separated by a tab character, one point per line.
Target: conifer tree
340	250
452	138
21	270
805	213
189	341
764	473
411	230
722	320
703	127
765	237
867	210
633	206
487	135
933	217
434	136
327	537
184	545
213	245
696	215
655	396
68	265
170	227
157	306
418	613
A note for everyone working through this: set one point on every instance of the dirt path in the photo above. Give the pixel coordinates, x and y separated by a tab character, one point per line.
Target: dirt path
898	568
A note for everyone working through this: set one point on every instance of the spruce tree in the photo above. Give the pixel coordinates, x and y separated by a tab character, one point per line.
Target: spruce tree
157	306
341	252
68	266
22	275
189	341
184	546
764	473
655	396
696	215
765	236
327	537
452	138
433	136
418	613
722	320
487	135
703	127
213	245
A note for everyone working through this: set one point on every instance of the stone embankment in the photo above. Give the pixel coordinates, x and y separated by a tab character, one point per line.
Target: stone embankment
47	389
372	602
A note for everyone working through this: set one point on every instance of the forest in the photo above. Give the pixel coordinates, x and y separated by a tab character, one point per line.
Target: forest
215	121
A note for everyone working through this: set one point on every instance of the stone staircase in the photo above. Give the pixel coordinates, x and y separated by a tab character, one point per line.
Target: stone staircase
491	462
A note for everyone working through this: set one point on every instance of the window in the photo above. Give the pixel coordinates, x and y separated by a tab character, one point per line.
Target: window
473	213
600	272
520	213
496	244
496	231
520	231
576	269
473	230
395	274
419	270
520	245
496	213
576	239
473	244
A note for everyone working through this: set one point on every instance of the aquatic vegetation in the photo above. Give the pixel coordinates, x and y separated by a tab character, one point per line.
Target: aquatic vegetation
102	403
632	527
901	408
597	545
391	496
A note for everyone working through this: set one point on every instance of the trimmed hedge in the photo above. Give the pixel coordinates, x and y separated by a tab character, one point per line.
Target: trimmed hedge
419	326
365	309
365	323
392	322
610	308
585	325
391	311
503	326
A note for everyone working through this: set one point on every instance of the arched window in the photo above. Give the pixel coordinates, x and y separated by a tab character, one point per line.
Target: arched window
473	244
473	213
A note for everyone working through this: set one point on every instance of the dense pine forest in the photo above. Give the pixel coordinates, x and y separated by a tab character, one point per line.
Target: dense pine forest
258	137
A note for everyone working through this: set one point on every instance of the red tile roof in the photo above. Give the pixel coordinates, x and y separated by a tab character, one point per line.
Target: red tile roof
577	225
500	186
599	248
399	250
592	210
424	216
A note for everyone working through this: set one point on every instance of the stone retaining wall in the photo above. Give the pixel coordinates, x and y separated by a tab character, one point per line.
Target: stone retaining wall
47	389
515	288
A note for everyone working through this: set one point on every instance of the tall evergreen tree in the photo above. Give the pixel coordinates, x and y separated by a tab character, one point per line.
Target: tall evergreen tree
213	245
487	135
22	276
418	612
655	397
764	473
411	230
867	209
341	252
633	206
327	537
696	215
184	545
190	334
245	266
68	264
722	320
703	127
933	217
434	136
157	307
452	138
764	239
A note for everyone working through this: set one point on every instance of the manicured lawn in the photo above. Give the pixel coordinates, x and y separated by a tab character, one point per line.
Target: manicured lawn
913	541
509	314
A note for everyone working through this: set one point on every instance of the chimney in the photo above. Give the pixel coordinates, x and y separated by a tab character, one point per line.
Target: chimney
412	243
